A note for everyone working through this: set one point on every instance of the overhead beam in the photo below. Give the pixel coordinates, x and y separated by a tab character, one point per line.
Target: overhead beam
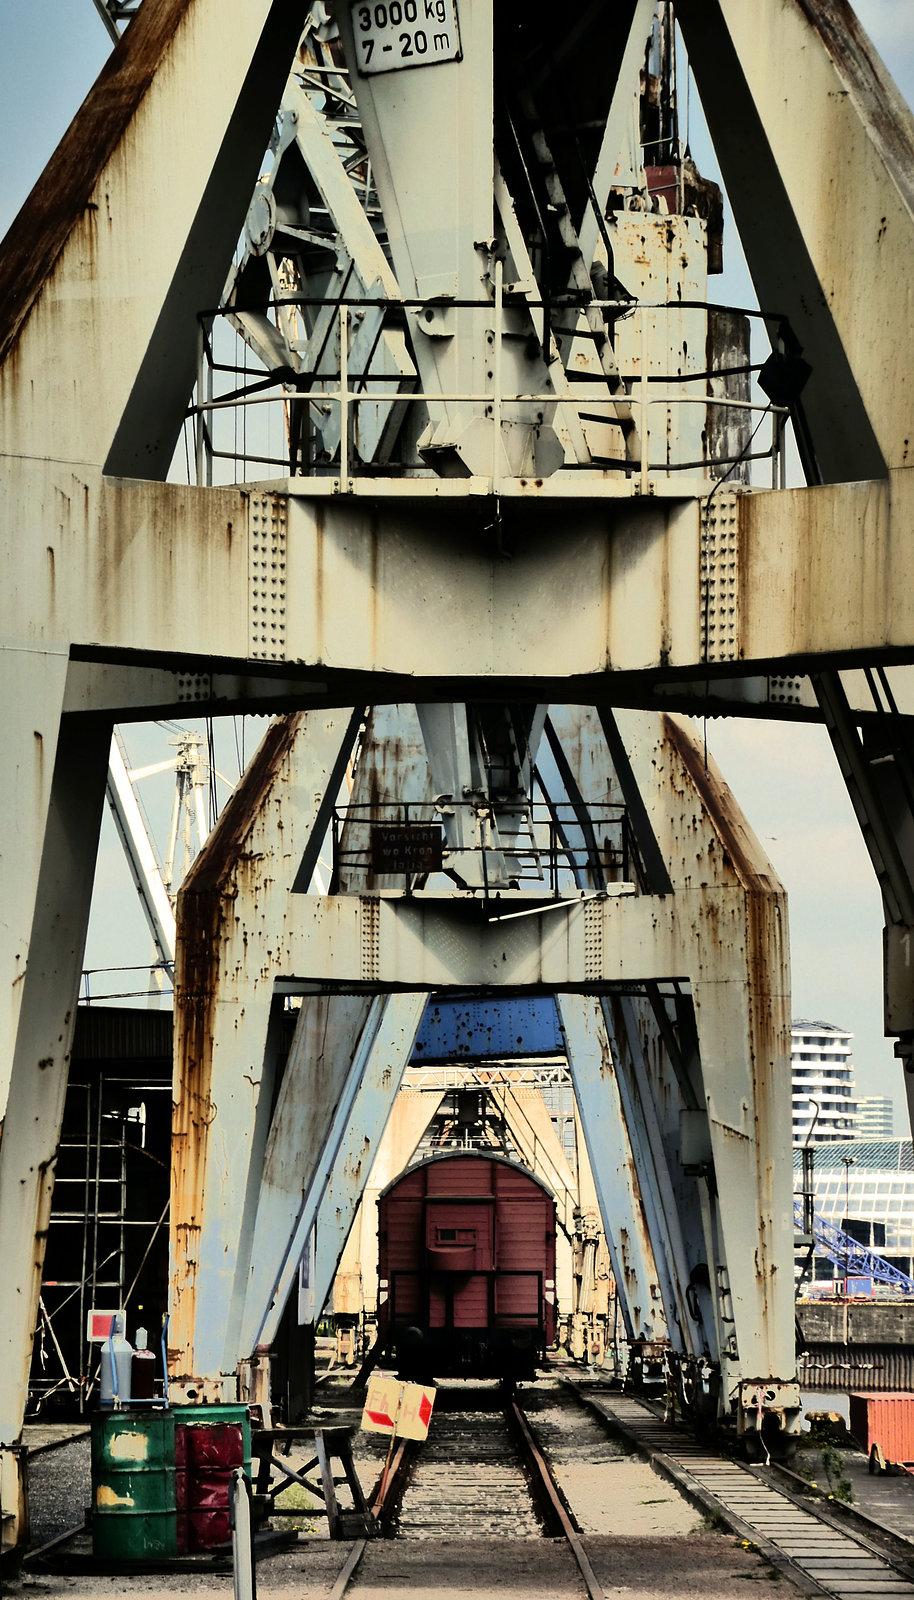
142	572
129	232
816	148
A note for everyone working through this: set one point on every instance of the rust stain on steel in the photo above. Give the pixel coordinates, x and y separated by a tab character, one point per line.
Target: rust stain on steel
203	903
766	964
62	197
871	89
741	847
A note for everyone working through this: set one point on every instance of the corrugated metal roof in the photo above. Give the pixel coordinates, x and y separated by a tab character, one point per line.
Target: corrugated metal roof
111	1033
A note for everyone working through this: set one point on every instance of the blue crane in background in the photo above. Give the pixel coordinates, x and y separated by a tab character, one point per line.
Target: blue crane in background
855	1258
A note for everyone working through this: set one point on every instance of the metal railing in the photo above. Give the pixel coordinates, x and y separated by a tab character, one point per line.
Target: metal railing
637	397
541	842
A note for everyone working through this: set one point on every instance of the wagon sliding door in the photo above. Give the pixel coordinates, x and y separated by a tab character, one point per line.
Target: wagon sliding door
526	1234
460	1251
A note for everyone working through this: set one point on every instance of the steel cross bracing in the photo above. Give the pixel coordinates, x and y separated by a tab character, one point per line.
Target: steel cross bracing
846	1252
116	14
678	1250
484	295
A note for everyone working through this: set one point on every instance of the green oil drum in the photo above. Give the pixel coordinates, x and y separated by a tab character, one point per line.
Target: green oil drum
133	1485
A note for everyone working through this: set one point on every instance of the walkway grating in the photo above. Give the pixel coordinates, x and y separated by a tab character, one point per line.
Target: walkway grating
845	1566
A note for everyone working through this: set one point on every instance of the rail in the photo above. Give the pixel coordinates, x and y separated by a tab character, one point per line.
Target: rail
319	385
801	1533
554	1506
542	1486
541	842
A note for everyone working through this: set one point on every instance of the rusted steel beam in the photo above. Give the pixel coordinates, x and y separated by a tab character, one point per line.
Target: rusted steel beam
101	218
225	1052
773	80
62	196
203	934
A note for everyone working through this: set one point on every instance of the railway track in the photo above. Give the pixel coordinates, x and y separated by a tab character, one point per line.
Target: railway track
485	1474
469	1477
491	1476
809	1543
481	1475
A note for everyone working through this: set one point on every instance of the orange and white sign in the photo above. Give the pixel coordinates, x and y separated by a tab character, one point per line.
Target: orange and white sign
394	1407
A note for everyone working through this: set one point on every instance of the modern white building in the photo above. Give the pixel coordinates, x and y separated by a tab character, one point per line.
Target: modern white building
875	1117
868	1182
824	1106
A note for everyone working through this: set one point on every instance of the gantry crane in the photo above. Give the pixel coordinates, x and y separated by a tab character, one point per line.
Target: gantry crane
504	494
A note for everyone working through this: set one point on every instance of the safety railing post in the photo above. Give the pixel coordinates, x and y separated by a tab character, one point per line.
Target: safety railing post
204	460
334	884
496	376
243	1579
344	399
644	412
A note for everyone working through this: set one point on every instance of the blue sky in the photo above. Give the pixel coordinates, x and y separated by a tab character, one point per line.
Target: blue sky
784	776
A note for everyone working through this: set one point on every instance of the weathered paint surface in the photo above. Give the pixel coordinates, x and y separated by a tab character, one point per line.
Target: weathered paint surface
198	969
226	1049
817	154
822	181
48	981
191	91
717	931
749	1105
61	198
612	1163
610	596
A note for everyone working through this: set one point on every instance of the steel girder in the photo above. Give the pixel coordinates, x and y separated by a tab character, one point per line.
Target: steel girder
723	938
795	96
821	573
146	572
609	1150
130	230
683	1092
120	579
800	78
224	966
640	1111
49	966
264	1159
327	1198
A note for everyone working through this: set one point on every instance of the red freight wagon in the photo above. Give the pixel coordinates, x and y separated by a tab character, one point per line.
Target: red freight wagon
466	1269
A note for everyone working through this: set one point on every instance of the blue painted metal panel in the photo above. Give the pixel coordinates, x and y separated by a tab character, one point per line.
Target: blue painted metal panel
465	1029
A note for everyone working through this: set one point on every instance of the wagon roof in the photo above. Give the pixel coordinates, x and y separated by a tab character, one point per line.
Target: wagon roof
468	1155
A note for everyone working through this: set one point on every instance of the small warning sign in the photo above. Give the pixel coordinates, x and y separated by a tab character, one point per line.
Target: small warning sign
102	1325
410	847
394	1407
